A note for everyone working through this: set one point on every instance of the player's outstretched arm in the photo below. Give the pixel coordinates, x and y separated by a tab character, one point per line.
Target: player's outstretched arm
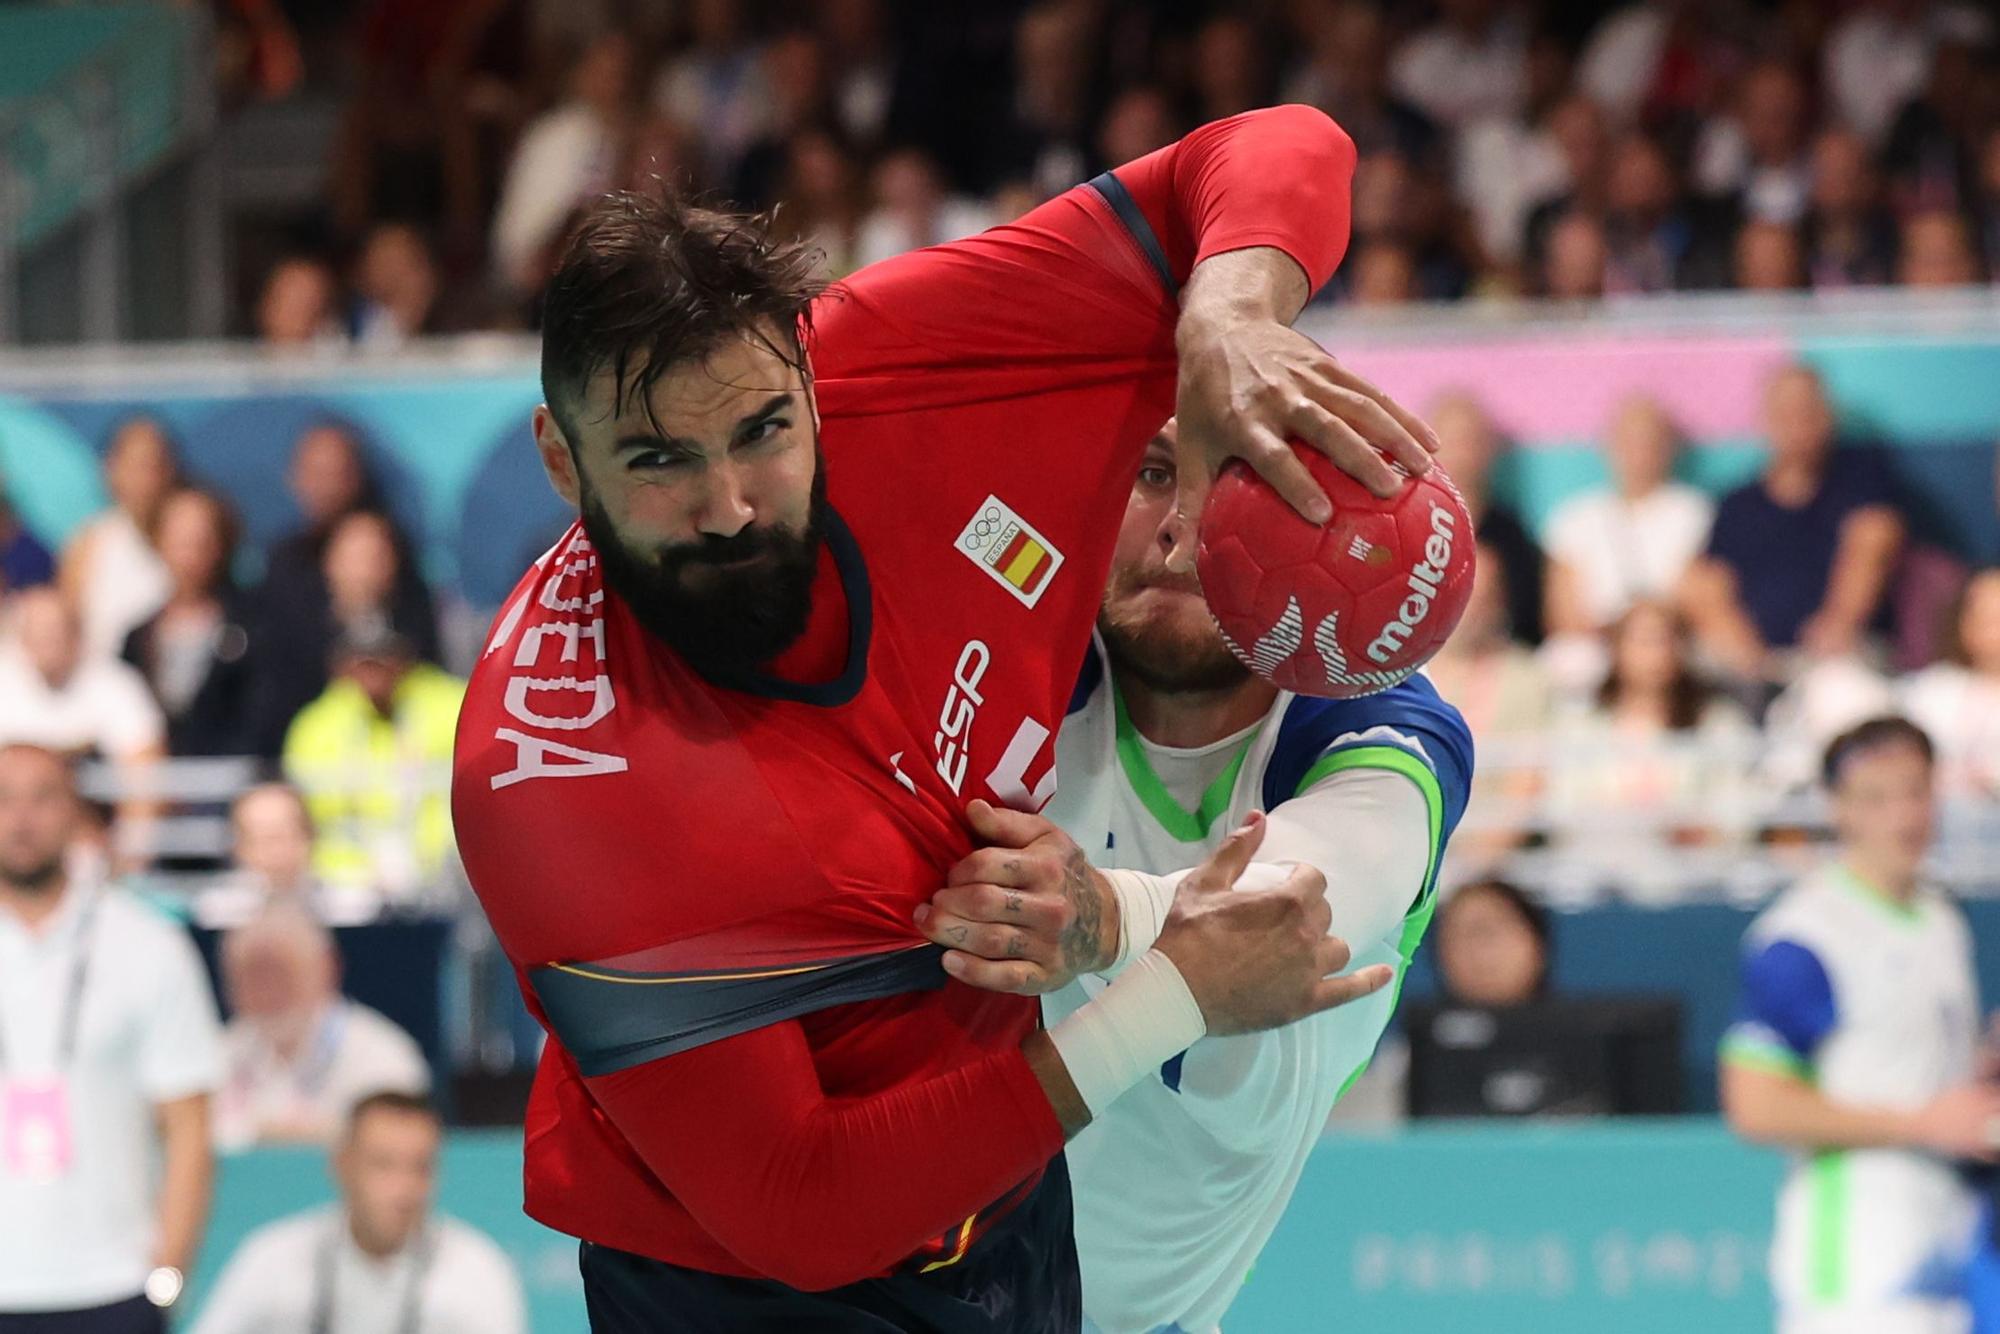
1776	1107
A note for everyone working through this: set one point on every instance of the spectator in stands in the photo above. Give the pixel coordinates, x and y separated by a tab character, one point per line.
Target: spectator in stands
271	839
1798	558
1574	257
373	756
1348	78
1657	765
1756	158
824	201
1138	121
1468	66
1850	238
1857	1050
299	305
914	210
1635	539
1384	274
397	291
1492	946
1936	251
1577	152
198	653
1044	140
297	1055
1504	694
52	695
299	603
1230	69
795	69
1769	258
380	1260
1928	157
716	89
1657	61
108	1034
1469	447
854	36
1957	701
1878	56
24	562
1654	239
111	572
565	156
1986	211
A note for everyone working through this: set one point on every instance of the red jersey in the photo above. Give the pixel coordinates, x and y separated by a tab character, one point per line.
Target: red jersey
757	1066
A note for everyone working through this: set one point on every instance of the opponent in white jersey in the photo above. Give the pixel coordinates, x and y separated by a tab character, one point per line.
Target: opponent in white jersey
1168	745
1855	1047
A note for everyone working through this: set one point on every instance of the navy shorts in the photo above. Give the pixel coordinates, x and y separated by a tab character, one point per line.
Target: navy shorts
135	1316
1019	1278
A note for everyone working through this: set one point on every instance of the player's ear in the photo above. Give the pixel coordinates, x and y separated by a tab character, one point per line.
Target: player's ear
558	460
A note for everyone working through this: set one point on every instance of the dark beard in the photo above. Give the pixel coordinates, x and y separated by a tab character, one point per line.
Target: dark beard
43	878
1170	664
742	618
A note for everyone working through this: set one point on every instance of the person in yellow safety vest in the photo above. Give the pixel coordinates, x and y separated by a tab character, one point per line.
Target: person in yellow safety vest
373	756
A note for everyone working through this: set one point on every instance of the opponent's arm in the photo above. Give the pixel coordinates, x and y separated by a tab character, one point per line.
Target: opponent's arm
1028	912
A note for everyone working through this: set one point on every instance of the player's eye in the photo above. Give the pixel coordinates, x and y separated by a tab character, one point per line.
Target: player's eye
654	460
768	429
1156	475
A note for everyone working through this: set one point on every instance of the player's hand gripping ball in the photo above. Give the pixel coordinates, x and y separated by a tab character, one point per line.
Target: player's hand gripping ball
1341	610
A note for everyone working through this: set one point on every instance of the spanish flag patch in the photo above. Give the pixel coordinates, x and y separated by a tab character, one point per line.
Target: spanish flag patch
1009	549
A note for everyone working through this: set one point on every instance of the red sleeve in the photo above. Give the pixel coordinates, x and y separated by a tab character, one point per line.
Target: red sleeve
1278	177
1074	283
816	1191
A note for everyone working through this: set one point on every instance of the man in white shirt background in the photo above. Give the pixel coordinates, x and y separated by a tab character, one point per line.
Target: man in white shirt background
380	1262
298	1055
107	1058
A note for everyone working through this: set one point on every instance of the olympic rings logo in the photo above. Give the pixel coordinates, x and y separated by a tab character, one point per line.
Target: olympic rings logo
983	528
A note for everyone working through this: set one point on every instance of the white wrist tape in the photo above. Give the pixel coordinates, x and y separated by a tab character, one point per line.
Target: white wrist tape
1144	1019
1143	903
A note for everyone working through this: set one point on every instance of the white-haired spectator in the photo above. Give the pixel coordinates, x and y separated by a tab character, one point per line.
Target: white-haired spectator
297	1055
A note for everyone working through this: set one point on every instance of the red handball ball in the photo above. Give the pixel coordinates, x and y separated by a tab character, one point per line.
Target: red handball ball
1341	610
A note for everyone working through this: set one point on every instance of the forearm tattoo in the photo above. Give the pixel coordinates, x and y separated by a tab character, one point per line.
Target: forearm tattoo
1081	943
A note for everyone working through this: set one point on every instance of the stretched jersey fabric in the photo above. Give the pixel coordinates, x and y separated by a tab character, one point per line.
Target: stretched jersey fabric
1181	1181
1875	1004
758	1067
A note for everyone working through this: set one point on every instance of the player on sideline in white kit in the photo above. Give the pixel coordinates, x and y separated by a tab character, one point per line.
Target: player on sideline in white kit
1856	1046
1169	743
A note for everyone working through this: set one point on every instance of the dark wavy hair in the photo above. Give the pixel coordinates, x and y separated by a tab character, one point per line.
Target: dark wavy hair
649	281
1687	694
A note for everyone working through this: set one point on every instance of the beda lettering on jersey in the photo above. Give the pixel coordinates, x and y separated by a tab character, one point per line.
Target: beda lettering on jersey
561	681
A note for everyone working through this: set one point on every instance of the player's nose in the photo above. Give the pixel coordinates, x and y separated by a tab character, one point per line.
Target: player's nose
1173	531
723	505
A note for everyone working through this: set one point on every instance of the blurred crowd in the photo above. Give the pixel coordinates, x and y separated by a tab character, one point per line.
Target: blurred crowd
1654	671
1567	150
